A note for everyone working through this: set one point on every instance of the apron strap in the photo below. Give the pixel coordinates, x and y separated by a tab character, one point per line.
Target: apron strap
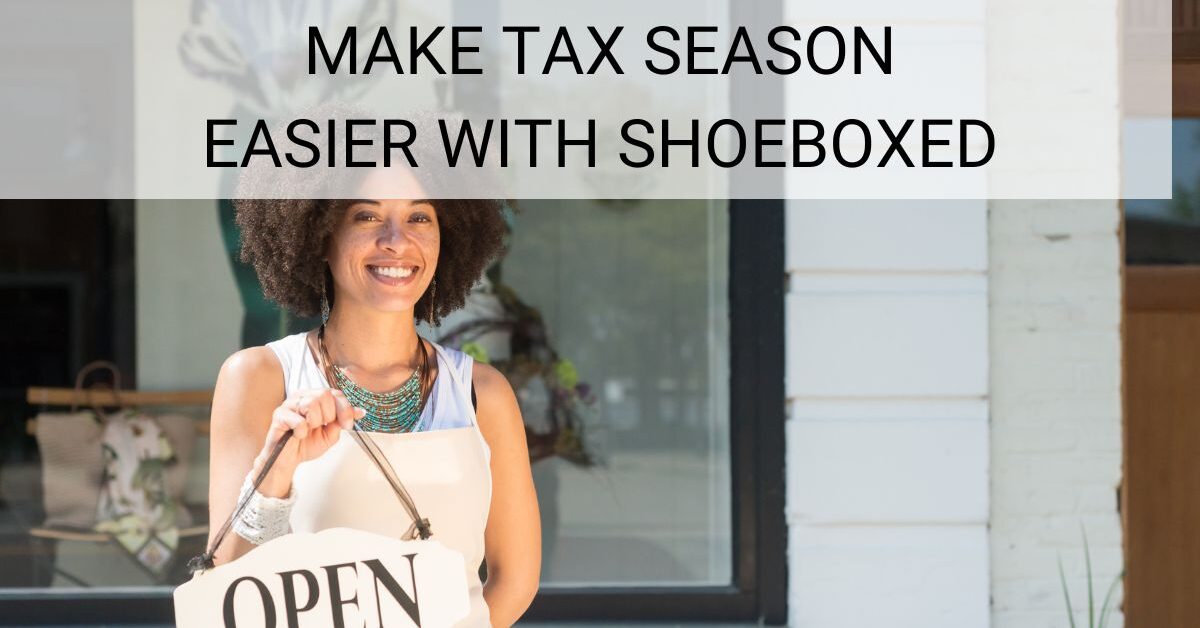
420	527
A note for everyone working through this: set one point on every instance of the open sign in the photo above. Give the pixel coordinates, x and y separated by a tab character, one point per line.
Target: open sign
337	577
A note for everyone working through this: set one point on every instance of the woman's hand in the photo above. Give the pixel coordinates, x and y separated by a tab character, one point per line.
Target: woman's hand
250	413
316	419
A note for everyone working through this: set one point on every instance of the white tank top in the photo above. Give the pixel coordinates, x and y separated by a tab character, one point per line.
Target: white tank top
444	465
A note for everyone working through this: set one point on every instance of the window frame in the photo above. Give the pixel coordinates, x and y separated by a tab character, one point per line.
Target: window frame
758	592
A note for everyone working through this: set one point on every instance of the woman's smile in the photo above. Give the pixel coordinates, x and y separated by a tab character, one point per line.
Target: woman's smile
393	275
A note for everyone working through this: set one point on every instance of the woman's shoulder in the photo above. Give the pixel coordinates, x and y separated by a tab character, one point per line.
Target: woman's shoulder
484	374
251	366
266	358
248	385
492	388
497	413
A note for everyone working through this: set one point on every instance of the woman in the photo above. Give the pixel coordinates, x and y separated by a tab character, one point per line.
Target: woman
453	431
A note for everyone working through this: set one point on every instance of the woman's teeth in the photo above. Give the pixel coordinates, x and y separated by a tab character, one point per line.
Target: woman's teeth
391	271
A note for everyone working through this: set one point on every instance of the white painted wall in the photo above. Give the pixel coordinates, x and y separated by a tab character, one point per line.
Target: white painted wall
887	356
1055	329
887	433
1056	406
953	374
909	325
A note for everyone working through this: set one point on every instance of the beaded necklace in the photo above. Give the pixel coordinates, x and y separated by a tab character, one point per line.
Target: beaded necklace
395	411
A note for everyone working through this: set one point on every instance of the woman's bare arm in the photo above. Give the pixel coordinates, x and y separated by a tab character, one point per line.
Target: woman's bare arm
249	387
249	416
513	538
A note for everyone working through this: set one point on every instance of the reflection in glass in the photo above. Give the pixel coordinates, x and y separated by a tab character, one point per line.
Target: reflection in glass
636	298
1167	231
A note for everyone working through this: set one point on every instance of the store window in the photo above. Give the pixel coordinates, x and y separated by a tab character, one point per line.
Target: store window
634	301
658	463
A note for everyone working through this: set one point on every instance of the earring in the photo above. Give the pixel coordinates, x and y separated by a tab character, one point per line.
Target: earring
432	302
324	305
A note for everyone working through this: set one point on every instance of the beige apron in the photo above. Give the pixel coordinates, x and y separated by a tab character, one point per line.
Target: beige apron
446	471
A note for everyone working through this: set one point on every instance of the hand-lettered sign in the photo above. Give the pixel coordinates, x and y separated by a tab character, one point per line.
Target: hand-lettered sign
338	577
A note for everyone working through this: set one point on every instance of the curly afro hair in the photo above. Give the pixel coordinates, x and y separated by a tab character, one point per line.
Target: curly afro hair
278	238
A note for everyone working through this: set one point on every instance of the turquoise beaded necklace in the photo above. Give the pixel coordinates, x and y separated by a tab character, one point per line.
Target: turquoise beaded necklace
395	411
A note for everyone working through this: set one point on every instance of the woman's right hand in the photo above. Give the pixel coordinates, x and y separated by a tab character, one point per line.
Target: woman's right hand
316	419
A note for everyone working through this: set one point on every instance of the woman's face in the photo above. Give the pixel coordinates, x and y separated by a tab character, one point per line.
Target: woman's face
383	253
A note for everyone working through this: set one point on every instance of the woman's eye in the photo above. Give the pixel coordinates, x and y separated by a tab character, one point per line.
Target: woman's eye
419	217
365	216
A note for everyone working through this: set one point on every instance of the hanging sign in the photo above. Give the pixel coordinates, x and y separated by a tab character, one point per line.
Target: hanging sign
337	577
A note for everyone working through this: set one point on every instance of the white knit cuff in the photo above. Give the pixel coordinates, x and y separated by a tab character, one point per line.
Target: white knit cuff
264	518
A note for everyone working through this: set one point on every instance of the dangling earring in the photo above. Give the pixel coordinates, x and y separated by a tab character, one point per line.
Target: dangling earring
432	302
324	305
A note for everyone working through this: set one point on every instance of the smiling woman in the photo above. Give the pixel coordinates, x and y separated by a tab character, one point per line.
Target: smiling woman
372	267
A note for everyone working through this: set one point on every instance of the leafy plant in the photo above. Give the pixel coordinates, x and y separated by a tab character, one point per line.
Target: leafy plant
533	363
1092	620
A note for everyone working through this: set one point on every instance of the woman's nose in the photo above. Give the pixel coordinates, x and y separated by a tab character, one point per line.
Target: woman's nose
394	235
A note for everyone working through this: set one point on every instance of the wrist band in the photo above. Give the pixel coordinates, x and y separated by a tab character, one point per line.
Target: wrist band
264	518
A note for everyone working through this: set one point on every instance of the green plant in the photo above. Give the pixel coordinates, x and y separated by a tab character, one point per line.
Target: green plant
1092	620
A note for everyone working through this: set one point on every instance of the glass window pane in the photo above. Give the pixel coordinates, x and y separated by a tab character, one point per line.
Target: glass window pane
1167	231
636	298
630	299
69	280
